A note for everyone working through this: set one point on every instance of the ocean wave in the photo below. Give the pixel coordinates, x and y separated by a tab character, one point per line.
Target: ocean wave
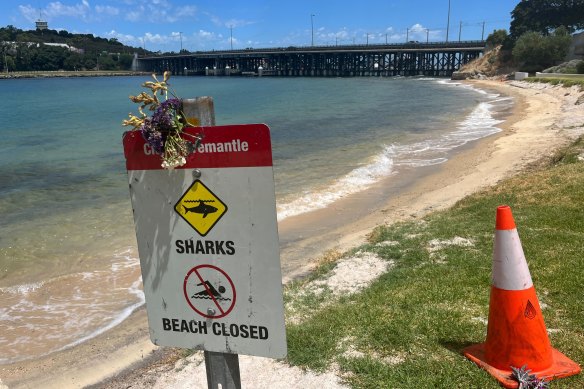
488	94
478	124
355	181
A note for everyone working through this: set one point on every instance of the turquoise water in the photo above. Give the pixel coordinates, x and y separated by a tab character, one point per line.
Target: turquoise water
67	243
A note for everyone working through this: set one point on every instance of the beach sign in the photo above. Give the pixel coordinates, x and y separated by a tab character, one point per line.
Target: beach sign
208	242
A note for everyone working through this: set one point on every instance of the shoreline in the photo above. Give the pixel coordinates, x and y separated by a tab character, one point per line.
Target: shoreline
536	127
70	74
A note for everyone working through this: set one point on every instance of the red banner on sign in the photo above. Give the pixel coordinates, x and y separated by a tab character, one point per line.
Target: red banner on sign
240	145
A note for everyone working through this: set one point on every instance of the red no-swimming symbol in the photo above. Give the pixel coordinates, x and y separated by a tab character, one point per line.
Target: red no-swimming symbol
209	291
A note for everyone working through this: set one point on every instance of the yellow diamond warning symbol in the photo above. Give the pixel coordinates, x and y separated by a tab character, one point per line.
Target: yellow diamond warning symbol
200	207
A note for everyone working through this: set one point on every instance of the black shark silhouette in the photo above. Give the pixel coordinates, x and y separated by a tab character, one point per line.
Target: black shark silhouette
202	208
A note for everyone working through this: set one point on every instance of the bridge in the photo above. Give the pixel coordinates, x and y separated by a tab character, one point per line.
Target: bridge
407	59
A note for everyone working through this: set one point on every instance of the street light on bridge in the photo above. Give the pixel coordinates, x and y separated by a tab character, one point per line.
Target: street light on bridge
312	27
448	21
231	38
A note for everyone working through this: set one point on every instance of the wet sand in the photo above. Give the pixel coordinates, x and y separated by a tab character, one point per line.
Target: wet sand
543	118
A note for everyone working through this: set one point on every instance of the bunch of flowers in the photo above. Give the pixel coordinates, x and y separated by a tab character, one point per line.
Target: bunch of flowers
164	130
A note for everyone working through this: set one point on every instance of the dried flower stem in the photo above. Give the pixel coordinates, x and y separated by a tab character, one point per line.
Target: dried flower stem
164	130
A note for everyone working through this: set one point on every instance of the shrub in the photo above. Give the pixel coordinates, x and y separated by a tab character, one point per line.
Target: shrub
535	52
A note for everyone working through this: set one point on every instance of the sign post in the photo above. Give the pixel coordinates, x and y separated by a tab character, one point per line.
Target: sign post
209	249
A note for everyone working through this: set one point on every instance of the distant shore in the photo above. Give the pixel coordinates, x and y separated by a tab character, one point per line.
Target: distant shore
67	74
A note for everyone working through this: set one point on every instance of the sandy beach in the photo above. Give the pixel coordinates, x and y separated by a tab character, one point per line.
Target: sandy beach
543	118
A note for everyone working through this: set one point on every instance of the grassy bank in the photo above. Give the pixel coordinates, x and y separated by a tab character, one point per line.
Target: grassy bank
565	81
407	329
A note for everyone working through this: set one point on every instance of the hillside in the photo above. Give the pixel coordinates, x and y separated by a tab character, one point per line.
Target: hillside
491	65
60	50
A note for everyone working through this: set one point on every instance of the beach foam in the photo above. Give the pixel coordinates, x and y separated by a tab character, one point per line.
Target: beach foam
41	318
358	179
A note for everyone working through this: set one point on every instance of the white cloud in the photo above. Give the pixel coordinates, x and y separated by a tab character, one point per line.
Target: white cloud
160	11
417	28
56	9
153	42
31	14
81	10
157	38
187	10
251	43
205	34
418	33
134	16
331	38
126	39
235	23
107	10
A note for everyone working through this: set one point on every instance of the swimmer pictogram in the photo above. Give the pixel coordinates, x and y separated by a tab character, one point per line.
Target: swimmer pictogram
209	291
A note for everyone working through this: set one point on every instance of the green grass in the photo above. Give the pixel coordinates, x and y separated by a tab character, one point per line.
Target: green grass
567	82
408	328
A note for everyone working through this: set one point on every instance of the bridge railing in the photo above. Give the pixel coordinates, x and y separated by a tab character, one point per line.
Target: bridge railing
353	47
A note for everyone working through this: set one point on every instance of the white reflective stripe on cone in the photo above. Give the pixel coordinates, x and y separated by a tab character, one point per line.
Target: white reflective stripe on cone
510	271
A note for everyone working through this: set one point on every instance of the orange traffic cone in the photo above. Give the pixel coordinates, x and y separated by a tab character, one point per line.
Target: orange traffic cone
516	332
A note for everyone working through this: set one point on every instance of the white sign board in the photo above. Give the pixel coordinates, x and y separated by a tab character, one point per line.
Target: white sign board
208	243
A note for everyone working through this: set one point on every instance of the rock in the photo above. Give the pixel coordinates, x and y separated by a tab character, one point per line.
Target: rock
461	75
562	67
580	100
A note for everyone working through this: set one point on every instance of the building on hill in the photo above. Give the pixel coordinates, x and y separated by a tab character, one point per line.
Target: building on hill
65	46
41	25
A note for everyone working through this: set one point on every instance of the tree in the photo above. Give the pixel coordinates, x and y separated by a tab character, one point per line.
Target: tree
8	63
9	33
534	51
73	62
106	62
544	16
558	45
125	61
498	37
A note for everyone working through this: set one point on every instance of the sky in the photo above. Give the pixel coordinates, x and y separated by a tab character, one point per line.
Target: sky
169	25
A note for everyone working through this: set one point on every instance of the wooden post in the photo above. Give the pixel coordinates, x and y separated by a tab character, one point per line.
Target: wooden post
222	369
200	111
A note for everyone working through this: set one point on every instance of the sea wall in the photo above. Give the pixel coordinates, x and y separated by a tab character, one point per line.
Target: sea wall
48	74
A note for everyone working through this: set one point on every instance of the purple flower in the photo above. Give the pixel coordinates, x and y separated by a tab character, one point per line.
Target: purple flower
162	118
173	104
153	136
